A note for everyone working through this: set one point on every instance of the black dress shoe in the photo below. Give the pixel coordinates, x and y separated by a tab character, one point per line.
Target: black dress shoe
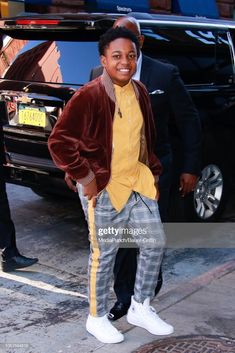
118	310
16	262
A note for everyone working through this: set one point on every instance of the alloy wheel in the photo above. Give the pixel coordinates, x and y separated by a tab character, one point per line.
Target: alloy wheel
208	192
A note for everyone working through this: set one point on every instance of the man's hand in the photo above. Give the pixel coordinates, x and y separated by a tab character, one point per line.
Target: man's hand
187	183
90	190
70	183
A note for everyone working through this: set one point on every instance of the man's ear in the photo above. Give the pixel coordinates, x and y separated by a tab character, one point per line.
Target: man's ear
103	60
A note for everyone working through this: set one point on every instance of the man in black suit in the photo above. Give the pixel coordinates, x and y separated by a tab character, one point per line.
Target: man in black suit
11	259
168	97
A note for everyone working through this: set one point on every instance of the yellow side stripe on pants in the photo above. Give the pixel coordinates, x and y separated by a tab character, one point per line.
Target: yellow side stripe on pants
94	259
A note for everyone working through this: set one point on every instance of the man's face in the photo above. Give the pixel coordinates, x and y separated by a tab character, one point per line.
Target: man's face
120	60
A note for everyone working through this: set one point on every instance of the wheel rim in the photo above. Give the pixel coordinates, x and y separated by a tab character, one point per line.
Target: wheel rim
208	192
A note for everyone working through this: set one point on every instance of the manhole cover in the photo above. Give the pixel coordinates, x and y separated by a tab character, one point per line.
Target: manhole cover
190	344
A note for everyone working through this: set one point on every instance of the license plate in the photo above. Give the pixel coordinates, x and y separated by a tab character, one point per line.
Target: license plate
34	116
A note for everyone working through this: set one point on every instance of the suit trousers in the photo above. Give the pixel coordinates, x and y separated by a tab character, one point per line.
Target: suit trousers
126	260
137	224
7	228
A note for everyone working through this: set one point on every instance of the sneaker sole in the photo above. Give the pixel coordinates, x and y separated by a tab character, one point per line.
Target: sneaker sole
121	339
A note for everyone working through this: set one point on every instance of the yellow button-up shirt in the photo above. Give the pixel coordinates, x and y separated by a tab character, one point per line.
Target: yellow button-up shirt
127	173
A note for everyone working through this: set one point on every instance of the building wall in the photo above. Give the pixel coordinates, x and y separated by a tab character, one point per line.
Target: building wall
8	52
226	8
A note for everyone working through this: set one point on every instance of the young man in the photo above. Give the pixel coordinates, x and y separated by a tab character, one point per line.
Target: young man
169	98
104	140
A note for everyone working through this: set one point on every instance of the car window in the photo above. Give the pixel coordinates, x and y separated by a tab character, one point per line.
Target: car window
224	66
202	56
52	61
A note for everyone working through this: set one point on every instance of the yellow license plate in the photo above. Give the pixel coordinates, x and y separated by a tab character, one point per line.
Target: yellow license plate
35	116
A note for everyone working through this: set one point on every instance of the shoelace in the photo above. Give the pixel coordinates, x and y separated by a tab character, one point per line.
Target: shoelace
152	311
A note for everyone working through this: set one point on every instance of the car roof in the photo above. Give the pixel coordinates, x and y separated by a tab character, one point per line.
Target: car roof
104	20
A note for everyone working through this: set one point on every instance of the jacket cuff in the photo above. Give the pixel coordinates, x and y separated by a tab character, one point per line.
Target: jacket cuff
87	179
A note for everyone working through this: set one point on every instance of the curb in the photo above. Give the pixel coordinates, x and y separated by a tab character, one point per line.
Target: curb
179	293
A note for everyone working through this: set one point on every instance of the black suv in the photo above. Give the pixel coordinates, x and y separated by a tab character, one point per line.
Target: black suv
45	58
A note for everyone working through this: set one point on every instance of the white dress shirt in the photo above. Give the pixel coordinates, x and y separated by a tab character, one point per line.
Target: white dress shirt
136	76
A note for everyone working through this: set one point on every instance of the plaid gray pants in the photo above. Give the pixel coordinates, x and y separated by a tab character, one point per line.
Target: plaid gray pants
137	224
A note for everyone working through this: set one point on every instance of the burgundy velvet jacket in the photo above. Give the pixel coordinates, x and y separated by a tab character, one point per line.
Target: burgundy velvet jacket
81	141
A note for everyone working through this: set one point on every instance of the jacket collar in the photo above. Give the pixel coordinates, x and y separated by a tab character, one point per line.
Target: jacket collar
109	88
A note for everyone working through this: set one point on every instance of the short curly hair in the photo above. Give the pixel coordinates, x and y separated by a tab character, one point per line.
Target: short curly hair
114	33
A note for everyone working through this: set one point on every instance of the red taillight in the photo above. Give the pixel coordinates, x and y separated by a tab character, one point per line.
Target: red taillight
37	22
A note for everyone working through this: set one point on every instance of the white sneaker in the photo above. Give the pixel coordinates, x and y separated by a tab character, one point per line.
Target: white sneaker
145	316
103	330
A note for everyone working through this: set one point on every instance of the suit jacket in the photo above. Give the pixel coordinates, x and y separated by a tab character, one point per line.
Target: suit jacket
170	98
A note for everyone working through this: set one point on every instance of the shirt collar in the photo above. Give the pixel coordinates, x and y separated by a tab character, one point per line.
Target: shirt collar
136	76
122	88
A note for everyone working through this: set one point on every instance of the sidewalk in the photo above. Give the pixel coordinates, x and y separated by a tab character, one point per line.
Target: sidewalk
44	311
203	306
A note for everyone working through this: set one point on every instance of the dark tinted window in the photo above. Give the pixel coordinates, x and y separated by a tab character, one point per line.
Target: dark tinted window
193	51
224	68
67	62
202	56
